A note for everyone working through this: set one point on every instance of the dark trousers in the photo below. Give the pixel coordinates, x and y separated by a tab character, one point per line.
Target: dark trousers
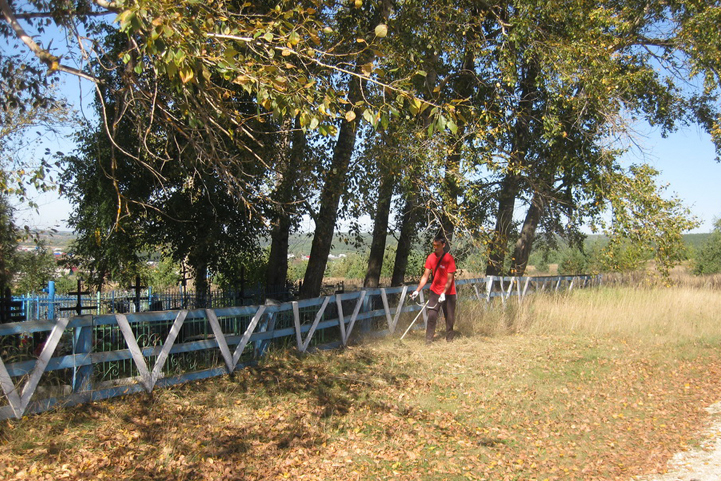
449	312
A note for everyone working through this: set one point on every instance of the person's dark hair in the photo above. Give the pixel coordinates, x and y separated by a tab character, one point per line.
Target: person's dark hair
440	238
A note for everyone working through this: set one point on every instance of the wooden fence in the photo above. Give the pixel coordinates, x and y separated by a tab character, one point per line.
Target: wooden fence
93	357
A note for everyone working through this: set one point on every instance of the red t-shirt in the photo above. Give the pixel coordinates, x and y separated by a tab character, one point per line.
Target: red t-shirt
440	277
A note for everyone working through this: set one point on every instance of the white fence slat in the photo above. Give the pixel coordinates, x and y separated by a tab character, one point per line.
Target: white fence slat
399	308
313	327
525	287
220	338
296	324
478	294
354	317
341	316
387	310
10	391
246	336
167	346
135	351
45	355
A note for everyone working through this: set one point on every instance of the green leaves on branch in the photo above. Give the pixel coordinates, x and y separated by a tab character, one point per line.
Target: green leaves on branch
644	223
286	58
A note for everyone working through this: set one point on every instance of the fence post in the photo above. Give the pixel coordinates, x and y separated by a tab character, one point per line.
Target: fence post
51	300
368	305
83	344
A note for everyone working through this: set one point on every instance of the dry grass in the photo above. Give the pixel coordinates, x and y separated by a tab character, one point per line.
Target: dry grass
661	315
598	384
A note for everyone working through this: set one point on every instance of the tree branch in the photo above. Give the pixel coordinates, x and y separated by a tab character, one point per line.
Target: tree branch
52	62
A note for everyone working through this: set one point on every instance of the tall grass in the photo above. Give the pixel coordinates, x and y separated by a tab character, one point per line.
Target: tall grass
660	314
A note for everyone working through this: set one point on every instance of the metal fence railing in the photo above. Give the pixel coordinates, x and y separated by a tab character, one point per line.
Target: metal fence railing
50	305
69	360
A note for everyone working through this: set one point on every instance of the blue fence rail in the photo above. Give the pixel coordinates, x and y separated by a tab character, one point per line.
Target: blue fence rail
72	360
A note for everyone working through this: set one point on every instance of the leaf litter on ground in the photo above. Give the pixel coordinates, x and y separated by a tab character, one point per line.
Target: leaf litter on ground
510	407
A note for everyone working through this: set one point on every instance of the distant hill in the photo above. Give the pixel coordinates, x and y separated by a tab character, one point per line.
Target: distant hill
59	239
695	241
343	243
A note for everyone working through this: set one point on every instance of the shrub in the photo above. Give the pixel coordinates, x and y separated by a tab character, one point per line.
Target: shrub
708	259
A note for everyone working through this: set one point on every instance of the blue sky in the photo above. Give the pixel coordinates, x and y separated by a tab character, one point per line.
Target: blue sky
686	160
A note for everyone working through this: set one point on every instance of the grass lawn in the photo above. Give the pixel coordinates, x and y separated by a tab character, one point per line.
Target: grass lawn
599	384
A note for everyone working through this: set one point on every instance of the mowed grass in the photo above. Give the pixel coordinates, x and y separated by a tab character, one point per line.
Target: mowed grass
602	383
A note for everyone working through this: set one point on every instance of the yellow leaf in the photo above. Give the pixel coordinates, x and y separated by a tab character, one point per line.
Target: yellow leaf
350	116
186	74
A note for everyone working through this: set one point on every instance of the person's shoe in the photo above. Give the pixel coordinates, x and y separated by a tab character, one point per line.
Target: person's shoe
451	335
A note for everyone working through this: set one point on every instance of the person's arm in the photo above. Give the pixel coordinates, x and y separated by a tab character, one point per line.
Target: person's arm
423	281
449	282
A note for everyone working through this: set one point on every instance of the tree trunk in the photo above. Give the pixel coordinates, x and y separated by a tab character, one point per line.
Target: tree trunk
336	176
329	199
201	284
504	225
409	221
519	261
287	194
380	230
511	184
277	269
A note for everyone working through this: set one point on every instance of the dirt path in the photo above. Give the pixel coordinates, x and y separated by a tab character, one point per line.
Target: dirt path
703	464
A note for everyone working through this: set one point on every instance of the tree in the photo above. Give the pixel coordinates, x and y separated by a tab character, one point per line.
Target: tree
34	269
644	224
19	170
291	187
8	243
708	259
335	178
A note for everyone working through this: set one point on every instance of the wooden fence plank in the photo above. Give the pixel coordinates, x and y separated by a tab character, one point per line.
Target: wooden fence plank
246	336
135	351
220	338
318	317
10	391
167	346
48	350
296	324
353	318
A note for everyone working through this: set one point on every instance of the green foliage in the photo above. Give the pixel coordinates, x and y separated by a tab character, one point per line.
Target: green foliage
20	165
708	258
296	269
645	224
353	266
245	267
34	269
8	241
518	95
572	262
164	274
65	284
